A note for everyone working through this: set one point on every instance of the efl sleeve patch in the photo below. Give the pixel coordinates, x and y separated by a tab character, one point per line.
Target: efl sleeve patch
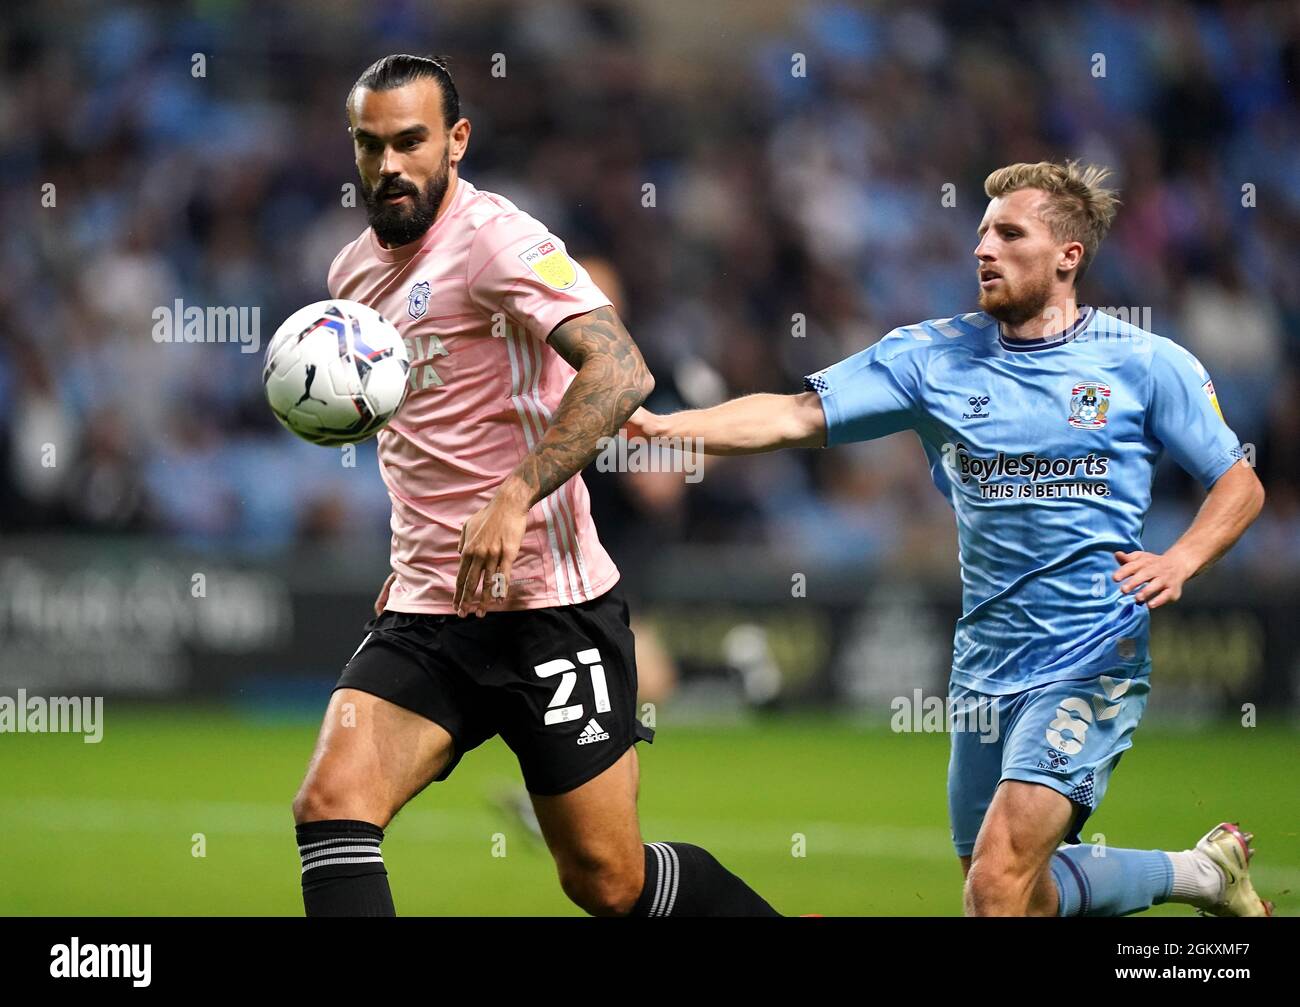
1208	389
551	264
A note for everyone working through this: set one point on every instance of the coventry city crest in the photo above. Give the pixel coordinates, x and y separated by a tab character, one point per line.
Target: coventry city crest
1089	403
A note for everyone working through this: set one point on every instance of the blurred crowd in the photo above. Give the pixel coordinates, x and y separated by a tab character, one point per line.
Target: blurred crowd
758	214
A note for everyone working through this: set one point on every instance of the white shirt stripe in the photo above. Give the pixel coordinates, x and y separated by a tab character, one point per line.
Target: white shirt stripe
574	550
526	419
568	530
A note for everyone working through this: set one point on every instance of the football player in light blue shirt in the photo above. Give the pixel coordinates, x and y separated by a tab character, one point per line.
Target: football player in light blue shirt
1042	421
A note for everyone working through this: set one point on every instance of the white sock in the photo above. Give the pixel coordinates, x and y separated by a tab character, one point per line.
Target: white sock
1197	879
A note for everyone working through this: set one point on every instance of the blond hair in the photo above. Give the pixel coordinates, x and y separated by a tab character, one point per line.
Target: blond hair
1077	207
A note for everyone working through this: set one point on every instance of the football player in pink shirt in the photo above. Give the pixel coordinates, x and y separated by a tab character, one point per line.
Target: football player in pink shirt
502	614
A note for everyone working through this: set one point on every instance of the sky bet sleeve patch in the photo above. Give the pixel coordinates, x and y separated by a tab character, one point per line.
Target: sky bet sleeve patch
551	263
1208	389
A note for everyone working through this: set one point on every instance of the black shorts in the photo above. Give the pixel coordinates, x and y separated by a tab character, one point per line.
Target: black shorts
558	684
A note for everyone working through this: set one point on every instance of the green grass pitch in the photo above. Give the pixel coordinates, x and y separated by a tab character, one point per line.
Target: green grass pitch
110	829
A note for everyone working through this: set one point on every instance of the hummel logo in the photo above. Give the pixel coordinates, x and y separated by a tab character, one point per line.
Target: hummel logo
977	404
592	733
1055	760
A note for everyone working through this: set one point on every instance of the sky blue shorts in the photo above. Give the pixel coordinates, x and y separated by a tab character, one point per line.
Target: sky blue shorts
1065	735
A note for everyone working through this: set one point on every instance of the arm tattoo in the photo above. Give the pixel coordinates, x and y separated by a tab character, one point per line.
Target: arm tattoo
612	381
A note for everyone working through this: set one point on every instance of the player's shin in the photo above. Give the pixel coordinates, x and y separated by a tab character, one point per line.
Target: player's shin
342	869
685	880
1101	881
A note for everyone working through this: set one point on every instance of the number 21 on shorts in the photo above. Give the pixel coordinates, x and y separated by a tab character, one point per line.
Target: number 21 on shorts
556	710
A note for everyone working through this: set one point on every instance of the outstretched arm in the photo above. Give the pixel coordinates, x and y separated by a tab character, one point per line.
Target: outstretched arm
612	380
743	426
1233	503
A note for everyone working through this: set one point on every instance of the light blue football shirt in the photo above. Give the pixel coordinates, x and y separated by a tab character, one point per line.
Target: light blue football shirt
1046	450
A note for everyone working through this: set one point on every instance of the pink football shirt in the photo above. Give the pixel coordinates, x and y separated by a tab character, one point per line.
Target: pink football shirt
474	300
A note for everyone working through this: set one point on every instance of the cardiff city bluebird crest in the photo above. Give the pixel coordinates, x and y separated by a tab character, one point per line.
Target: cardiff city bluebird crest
1089	403
417	301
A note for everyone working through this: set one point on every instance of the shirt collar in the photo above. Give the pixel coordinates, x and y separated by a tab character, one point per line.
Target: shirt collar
1058	339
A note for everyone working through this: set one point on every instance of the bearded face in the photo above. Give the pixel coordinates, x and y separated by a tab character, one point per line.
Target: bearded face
399	212
1018	257
1014	296
405	154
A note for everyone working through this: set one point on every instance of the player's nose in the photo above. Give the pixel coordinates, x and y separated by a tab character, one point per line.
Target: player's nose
390	165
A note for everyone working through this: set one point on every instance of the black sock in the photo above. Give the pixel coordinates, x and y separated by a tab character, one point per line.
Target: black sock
684	880
342	869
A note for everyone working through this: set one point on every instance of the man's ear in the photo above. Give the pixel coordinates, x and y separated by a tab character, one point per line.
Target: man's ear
1071	256
458	141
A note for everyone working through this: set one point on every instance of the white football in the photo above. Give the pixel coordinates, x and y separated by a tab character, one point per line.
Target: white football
335	372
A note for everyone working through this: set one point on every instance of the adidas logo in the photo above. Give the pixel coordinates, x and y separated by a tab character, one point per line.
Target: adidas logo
592	733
